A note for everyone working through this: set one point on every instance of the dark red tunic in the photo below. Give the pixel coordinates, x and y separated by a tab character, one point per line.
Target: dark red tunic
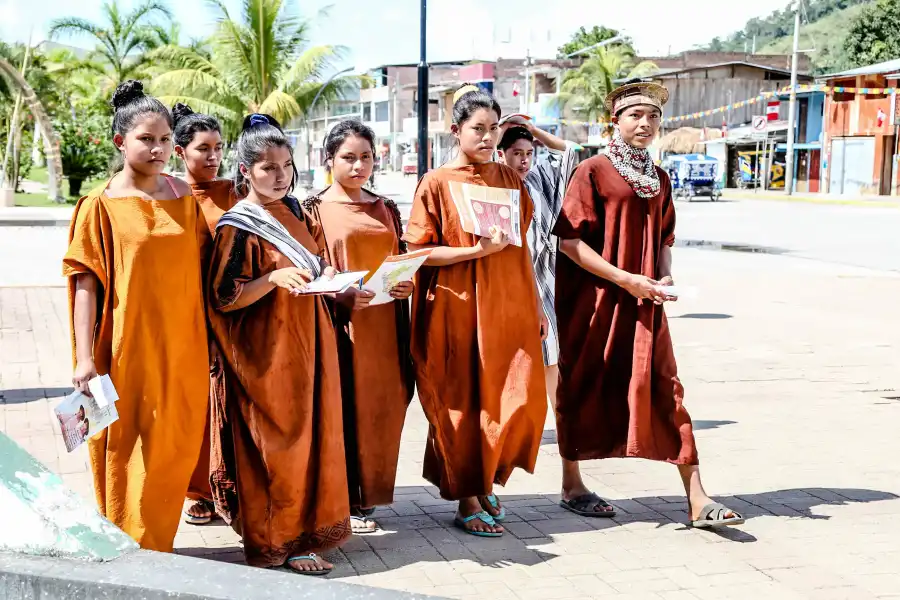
619	393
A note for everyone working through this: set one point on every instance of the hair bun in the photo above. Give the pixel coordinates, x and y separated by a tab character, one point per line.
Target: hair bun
180	111
126	93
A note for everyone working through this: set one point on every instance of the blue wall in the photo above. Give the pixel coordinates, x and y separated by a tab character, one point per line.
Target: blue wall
815	117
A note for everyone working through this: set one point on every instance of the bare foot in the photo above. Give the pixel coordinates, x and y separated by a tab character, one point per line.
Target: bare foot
362	524
581	490
307	565
471	506
199	512
489	509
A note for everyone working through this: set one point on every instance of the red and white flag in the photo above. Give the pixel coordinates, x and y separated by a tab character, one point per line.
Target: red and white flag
772	110
516	90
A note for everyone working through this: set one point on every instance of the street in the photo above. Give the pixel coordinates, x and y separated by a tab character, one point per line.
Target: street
790	362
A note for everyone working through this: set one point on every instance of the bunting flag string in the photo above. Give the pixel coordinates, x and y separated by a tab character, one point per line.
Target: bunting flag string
805	87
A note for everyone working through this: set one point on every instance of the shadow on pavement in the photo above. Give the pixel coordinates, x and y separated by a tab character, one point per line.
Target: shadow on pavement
23	396
705	316
701	425
418	528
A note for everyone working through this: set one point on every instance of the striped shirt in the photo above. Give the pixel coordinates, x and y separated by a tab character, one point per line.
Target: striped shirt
546	183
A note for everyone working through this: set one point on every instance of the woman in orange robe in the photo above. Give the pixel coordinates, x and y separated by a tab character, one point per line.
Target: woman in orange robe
361	230
619	393
135	293
284	484
198	142
476	322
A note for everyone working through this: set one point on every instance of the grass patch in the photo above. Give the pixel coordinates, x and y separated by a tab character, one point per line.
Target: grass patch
41	200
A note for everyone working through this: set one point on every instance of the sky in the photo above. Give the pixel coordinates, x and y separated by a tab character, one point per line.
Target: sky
377	32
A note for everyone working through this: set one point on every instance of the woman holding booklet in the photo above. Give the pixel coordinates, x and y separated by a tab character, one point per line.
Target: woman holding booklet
360	231
476	321
284	486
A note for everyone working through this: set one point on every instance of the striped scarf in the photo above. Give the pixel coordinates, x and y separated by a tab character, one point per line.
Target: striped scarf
634	165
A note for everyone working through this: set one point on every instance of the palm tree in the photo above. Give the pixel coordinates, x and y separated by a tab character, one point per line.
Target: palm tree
51	142
122	42
259	62
586	87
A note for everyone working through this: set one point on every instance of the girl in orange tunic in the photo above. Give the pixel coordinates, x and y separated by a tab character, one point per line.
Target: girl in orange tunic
284	485
198	142
136	300
476	322
361	230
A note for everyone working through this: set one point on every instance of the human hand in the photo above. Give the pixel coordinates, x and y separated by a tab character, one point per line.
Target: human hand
356	298
402	290
292	279
85	370
545	324
497	242
644	288
329	273
665	282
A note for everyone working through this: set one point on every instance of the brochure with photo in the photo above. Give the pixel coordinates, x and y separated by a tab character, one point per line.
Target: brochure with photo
481	207
81	417
392	271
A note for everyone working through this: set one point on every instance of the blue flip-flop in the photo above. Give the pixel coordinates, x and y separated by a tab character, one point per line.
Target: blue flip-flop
484	516
311	557
495	504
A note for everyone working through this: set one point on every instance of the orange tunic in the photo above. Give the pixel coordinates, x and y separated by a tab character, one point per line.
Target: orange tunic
152	341
619	393
476	344
373	345
214	198
284	481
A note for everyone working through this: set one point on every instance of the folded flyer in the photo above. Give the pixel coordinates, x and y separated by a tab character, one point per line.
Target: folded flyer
81	417
338	284
392	271
481	207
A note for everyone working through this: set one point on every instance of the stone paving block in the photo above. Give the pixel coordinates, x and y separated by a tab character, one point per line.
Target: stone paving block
523	531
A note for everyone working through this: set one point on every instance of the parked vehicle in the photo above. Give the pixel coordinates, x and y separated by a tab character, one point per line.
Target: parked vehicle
410	165
693	175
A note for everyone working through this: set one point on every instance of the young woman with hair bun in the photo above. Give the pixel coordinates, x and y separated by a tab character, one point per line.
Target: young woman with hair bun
137	309
282	480
476	323
361	229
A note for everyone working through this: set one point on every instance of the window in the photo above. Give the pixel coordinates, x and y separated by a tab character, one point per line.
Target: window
382	111
367	112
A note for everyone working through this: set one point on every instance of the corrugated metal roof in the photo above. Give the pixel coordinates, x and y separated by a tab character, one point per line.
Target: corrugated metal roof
890	66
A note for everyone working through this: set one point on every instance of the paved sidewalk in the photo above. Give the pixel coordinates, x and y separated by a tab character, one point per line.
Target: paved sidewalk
791	369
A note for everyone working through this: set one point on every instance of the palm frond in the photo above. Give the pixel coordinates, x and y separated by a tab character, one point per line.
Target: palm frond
280	105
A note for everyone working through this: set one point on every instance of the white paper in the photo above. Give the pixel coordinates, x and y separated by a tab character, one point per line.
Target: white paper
103	390
679	291
80	417
337	285
392	271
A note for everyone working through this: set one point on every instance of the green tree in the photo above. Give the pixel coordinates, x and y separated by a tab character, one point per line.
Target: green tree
86	149
874	36
585	39
260	61
585	88
122	41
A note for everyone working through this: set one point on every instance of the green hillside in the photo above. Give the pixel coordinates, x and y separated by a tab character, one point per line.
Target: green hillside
825	25
826	36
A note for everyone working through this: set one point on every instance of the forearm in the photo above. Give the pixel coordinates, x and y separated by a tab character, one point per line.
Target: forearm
249	293
548	139
586	258
664	265
85	316
442	256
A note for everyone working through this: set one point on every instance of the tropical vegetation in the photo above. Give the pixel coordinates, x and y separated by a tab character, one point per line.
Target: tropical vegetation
585	89
258	59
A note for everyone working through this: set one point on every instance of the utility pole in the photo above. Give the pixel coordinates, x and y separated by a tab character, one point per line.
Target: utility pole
527	81
792	107
423	93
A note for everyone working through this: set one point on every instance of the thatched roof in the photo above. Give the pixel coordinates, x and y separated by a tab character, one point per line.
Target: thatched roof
686	140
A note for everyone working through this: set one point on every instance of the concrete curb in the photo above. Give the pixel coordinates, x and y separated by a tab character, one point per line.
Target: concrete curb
873	202
147	575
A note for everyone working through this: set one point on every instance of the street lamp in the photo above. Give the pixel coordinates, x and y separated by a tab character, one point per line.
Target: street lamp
309	112
422	105
616	38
